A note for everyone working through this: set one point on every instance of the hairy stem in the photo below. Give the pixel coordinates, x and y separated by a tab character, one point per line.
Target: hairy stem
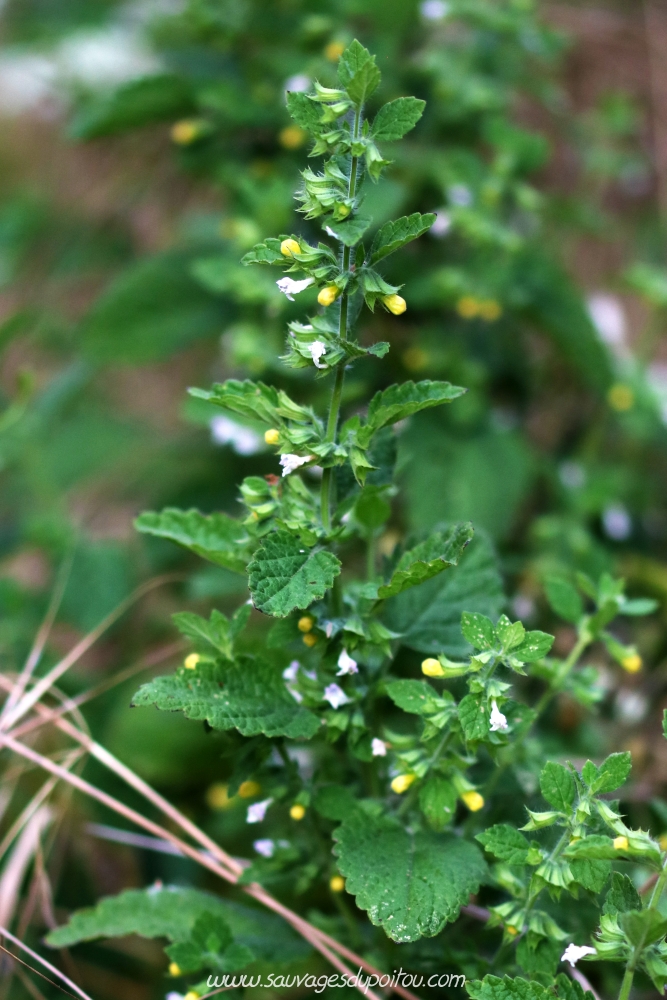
633	961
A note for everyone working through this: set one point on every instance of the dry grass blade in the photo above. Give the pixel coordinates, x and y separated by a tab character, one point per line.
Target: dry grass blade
42	961
18	861
30	699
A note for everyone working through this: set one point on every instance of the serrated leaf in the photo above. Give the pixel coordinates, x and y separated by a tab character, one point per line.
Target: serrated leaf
417	697
248	695
397	118
210	946
438	552
594	846
218	633
254	400
564	598
473	717
493	988
215	537
591	874
428	616
284	574
569	989
437	800
305	112
171	911
350	231
557	786
643	927
622	895
265	253
478	630
511	634
401	401
358	73
505	843
534	647
613	772
410	883
394	235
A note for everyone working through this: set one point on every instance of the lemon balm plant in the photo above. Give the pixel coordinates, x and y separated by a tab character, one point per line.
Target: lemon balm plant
363	781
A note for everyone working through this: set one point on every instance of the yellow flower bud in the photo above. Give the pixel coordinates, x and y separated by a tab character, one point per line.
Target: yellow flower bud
402	782
289	248
247	789
632	663
191	995
621	843
217	796
328	295
305	624
343	211
272	436
337	883
292	137
467	307
490	310
190	662
185	132
432	667
310	640
297	812
473	800
174	970
512	931
334	51
396	304
662	841
621	397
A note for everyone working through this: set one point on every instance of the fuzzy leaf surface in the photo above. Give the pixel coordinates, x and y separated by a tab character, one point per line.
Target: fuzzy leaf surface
248	695
397	118
215	537
394	235
411	884
284	574
505	843
401	401
438	552
494	988
557	786
358	73
210	946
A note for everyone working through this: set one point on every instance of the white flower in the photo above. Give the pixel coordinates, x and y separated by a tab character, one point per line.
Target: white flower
289	673
335	696
292	462
290	287
298	83
264	847
606	312
298	697
460	194
574	952
346	665
497	719
434	10
616	522
243	440
175	996
317	349
442	224
378	747
257	811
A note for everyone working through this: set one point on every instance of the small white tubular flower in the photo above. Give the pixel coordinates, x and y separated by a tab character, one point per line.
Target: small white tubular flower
317	349
292	462
335	696
497	719
264	847
257	811
299	82
242	439
290	287
574	952
346	665
289	673
378	747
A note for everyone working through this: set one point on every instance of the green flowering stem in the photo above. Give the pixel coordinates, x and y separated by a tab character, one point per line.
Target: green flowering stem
636	955
336	396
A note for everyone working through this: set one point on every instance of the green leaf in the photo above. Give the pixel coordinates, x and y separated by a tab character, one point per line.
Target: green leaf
638	606
534	647
210	946
643	927
350	231
493	988
535	953
248	695
157	98
284	574
254	400
305	112
437	800
397	118
417	697
394	235
358	73
478	630
215	537
591	874
401	401
569	989
510	634
505	843
613	772
594	846
218	633
428	617
622	895
473	717
171	912
557	786
437	553
335	802
410	883
564	598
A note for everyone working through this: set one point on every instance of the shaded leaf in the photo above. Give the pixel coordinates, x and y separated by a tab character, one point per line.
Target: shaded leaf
215	537
394	235
557	786
284	574
438	552
505	843
397	118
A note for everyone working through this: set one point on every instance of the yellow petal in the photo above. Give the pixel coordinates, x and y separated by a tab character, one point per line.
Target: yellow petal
473	800
402	782
432	667
297	812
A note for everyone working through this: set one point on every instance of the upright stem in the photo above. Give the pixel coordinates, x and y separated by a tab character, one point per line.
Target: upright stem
633	961
336	396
